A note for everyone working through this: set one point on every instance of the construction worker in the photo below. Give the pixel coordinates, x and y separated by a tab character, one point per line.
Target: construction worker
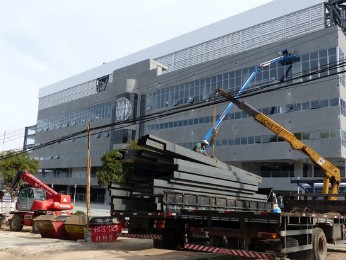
200	148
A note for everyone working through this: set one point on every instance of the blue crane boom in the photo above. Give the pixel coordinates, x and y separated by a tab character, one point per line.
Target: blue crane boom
284	58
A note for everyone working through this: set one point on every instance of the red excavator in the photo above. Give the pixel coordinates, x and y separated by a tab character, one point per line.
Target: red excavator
39	199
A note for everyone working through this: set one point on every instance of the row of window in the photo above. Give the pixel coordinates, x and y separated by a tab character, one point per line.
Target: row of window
262	139
284	27
198	90
80	116
82	90
315	104
312	135
72	155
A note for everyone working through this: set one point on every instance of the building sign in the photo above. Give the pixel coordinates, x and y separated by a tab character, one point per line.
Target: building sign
123	109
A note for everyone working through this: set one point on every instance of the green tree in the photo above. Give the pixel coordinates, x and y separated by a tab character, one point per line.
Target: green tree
14	162
133	145
113	169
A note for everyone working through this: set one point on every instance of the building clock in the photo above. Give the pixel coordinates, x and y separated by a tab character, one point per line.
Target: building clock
123	109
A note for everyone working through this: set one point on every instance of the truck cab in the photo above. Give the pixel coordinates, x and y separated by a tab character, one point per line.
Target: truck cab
27	196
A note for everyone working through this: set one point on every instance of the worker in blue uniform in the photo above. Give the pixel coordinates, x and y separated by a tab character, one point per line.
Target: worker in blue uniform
200	147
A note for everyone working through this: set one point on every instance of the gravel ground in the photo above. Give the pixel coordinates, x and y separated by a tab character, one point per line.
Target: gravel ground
26	245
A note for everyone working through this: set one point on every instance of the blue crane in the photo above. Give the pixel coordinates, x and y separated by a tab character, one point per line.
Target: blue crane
285	57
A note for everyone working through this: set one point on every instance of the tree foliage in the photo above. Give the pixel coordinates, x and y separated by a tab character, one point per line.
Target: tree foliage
14	162
113	169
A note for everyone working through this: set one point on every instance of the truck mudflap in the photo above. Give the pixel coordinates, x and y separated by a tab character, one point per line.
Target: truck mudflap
233	252
141	236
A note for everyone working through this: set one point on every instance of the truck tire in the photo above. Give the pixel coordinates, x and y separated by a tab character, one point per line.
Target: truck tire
35	228
16	223
319	244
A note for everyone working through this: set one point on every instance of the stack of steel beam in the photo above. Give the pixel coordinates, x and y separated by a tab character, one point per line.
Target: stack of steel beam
167	167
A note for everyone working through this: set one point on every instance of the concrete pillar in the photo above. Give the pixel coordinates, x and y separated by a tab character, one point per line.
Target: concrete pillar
298	169
311	170
107	197
68	190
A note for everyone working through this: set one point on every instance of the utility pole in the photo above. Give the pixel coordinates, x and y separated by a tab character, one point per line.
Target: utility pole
87	200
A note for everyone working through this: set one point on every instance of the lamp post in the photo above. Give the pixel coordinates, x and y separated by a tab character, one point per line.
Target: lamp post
87	199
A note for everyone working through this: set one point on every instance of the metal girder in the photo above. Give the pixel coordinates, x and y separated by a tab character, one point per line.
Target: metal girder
161	185
215	173
212	182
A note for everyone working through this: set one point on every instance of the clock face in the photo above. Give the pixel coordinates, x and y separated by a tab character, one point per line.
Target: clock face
123	109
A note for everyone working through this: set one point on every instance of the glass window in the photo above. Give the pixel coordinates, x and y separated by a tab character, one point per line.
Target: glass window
323	103
237	115
306	106
265	74
236	141
334	102
324	134
273	110
314	56
289	108
243	140
332	64
332	51
297	107
323	53
314	104
230	141
250	139
257	139
315	135
305	58
265	111
265	139
334	133
273	138
324	66
298	136
306	136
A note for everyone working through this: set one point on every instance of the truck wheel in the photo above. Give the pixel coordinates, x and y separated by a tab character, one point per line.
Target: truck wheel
16	223
319	244
35	228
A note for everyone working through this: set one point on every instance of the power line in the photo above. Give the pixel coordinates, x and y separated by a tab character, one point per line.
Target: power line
187	107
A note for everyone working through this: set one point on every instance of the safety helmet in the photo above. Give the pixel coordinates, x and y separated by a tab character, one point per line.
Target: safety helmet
205	142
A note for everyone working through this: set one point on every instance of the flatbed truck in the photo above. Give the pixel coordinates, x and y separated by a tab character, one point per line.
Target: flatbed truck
237	228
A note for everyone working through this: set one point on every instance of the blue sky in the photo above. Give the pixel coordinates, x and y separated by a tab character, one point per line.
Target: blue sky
45	41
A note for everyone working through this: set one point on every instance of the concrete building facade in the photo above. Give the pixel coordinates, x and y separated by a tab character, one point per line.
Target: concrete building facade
167	90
